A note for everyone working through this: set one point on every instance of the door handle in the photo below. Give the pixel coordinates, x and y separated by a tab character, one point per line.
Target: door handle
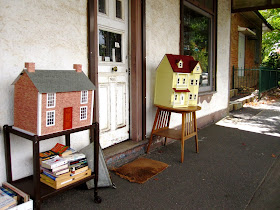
115	68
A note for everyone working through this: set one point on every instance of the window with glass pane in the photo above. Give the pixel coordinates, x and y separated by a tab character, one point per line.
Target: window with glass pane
197	38
110	46
119	9
102	6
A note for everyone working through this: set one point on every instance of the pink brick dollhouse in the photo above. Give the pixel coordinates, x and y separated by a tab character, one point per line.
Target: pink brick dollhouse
48	101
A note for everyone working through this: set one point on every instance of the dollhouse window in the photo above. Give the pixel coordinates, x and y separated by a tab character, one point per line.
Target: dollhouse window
192	81
180	64
84	97
182	98
184	81
50	100
175	97
50	118
194	97
196	82
178	81
190	97
83	113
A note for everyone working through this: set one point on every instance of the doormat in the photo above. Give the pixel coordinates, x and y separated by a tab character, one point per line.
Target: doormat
140	170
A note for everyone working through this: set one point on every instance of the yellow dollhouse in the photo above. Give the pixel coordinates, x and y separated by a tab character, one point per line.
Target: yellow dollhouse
177	81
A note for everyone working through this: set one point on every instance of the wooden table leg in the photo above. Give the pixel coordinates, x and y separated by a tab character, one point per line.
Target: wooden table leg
195	130
36	173
183	136
154	126
7	145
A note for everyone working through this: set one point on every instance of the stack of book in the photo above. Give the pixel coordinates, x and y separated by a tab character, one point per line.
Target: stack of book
77	163
59	171
11	196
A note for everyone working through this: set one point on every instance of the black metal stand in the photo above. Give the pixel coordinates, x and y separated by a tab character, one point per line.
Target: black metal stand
32	185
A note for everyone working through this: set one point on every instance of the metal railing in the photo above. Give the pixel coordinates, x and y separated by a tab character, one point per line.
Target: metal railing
248	80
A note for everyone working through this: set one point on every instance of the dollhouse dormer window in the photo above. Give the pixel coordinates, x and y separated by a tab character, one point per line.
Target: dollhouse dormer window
180	64
50	100
83	113
84	97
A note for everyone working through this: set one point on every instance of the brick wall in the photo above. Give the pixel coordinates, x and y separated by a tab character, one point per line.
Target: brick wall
25	104
238	19
64	100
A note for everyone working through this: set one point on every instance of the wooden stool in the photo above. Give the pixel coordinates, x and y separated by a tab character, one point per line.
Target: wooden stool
188	130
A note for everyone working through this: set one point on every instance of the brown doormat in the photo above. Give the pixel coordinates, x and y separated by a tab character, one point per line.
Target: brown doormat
140	170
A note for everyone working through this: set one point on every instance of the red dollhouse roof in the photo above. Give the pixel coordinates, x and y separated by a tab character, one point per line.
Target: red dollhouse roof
178	90
188	63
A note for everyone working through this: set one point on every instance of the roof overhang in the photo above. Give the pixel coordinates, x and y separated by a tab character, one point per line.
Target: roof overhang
253	5
258	20
246	31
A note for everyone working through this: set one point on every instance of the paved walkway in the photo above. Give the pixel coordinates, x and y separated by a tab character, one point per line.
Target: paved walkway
237	168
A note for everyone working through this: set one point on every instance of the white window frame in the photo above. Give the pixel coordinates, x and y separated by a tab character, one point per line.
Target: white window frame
81	108
84	96
47	117
54	100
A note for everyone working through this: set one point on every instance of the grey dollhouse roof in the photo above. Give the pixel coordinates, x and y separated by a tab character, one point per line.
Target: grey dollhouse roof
54	81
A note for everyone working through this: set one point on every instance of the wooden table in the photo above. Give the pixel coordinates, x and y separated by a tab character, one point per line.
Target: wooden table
188	128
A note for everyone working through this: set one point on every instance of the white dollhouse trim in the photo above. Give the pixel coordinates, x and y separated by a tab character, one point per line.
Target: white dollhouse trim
51	100
84	97
23	131
91	109
39	114
50	117
83	112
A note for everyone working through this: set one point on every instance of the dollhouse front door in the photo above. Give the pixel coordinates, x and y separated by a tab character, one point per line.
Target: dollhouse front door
67	118
113	71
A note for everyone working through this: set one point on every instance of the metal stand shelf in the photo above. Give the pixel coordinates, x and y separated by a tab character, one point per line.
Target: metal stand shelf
37	190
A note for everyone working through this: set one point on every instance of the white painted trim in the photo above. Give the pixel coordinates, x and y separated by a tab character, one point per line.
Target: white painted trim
47	119
24	131
86	112
82	97
39	114
92	105
54	102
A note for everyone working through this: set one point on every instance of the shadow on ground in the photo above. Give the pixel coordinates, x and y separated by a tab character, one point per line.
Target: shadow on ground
224	175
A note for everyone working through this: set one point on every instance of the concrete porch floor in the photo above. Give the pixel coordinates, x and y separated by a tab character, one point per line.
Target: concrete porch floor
237	168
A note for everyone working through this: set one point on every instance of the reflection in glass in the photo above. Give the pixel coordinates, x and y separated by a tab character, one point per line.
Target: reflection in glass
119	9
102	6
197	30
110	46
